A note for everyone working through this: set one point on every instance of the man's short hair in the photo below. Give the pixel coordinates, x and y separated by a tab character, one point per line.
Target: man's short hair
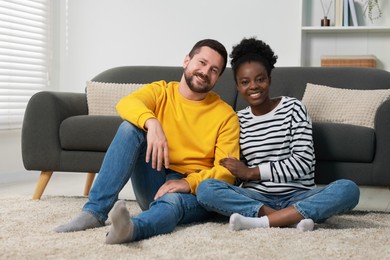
213	44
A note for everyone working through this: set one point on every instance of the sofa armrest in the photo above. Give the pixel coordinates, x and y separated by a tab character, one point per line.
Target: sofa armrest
45	111
381	164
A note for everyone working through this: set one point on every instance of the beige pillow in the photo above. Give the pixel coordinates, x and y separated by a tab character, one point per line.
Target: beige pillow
346	106
103	97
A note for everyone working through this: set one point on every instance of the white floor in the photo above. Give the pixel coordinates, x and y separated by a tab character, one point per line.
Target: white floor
72	184
60	184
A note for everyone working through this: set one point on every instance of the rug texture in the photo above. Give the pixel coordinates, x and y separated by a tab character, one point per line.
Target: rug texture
26	232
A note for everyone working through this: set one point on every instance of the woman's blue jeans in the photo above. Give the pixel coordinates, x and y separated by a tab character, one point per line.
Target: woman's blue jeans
317	204
125	159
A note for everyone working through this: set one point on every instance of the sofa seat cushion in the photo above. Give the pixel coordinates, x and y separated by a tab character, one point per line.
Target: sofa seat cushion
343	143
88	133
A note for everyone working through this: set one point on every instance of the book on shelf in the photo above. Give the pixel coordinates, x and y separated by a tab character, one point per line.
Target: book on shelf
338	20
348	61
352	9
345	13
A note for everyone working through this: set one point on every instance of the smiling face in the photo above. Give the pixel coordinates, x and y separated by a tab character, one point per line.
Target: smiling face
253	85
202	71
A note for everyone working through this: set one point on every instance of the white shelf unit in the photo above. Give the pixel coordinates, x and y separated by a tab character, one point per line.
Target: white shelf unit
319	29
343	40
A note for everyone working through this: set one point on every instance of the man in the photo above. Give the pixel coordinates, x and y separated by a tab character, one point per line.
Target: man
172	138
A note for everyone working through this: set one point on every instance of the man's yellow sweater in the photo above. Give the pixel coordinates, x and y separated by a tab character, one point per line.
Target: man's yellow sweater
199	133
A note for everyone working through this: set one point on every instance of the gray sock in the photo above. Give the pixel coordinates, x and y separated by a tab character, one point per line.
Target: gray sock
83	221
122	228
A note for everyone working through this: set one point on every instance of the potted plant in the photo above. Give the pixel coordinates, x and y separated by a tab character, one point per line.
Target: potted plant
372	10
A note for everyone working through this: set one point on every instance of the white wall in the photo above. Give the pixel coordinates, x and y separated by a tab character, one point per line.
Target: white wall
97	35
10	151
90	36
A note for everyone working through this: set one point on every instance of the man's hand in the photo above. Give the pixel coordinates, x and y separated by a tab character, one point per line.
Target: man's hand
239	169
173	186
157	149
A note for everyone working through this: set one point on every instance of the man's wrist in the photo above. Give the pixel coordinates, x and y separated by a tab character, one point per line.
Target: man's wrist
149	122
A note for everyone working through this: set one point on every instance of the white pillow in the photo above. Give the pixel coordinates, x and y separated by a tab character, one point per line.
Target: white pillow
346	106
103	97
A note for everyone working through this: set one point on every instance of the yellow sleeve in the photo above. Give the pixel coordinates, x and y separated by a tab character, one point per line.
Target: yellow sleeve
140	105
227	145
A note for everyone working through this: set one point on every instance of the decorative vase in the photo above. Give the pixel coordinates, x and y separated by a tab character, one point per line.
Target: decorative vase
325	21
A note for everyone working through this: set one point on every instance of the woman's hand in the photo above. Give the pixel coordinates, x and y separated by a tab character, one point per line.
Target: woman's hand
239	169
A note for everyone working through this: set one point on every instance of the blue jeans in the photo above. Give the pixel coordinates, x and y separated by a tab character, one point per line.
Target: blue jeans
317	204
125	159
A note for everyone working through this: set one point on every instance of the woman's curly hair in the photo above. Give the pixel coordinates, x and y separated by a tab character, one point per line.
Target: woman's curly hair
251	49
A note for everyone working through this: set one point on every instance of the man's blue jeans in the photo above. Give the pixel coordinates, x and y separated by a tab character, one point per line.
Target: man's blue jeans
317	204
125	159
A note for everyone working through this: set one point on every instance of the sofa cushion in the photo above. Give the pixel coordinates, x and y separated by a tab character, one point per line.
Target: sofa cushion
88	133
343	143
347	106
103	97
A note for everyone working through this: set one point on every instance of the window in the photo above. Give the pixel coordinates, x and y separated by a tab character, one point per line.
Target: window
24	52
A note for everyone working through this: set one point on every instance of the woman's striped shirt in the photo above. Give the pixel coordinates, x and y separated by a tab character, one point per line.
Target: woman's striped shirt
280	143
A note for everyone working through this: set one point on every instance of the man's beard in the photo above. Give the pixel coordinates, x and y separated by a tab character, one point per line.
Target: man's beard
189	78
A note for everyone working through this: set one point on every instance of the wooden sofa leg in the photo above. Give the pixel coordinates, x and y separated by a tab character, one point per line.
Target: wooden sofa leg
88	183
44	179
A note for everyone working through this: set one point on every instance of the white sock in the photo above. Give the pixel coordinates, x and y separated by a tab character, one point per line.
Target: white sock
239	222
305	225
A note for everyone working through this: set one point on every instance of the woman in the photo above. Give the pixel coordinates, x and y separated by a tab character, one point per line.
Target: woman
277	186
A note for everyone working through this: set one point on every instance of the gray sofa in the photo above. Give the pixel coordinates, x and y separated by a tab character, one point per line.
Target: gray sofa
58	135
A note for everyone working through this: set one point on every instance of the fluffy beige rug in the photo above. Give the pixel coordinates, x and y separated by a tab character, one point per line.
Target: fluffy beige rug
26	233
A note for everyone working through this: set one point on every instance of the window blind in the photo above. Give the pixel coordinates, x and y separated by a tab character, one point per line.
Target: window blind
24	48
